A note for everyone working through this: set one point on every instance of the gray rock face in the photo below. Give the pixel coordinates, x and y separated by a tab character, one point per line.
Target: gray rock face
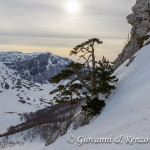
64	126
36	67
60	132
53	138
140	20
80	120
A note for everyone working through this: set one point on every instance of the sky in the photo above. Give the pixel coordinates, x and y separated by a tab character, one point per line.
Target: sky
58	26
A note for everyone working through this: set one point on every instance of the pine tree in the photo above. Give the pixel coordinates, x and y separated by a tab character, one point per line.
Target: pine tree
85	81
93	107
104	85
105	79
71	91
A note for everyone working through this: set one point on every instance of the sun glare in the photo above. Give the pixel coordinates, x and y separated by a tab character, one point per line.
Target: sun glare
72	6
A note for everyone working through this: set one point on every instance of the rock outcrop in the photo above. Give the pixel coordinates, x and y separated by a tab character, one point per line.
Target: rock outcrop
77	121
53	138
60	132
80	120
140	21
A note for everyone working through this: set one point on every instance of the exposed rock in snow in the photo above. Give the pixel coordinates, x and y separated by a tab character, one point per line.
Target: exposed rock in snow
64	127
60	132
53	138
80	120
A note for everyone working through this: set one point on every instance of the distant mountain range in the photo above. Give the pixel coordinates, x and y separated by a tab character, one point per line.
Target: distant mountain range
36	67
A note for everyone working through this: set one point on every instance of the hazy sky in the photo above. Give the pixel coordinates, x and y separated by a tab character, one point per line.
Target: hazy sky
52	25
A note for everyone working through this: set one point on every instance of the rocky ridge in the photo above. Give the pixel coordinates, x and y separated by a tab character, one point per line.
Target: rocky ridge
140	21
36	67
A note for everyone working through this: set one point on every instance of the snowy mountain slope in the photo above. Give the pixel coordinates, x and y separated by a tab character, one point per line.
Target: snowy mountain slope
18	96
126	113
21	84
36	67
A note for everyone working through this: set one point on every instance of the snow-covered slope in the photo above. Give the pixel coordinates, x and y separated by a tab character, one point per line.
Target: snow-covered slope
126	113
18	96
23	84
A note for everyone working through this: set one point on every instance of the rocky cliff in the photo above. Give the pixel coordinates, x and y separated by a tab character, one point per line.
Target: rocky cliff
140	21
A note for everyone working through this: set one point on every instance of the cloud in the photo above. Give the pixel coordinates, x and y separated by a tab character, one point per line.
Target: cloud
39	21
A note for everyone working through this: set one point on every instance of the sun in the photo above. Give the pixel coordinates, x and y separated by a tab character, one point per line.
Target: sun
72	6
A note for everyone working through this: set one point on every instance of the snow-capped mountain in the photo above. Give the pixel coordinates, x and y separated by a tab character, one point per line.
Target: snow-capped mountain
36	67
21	90
27	109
